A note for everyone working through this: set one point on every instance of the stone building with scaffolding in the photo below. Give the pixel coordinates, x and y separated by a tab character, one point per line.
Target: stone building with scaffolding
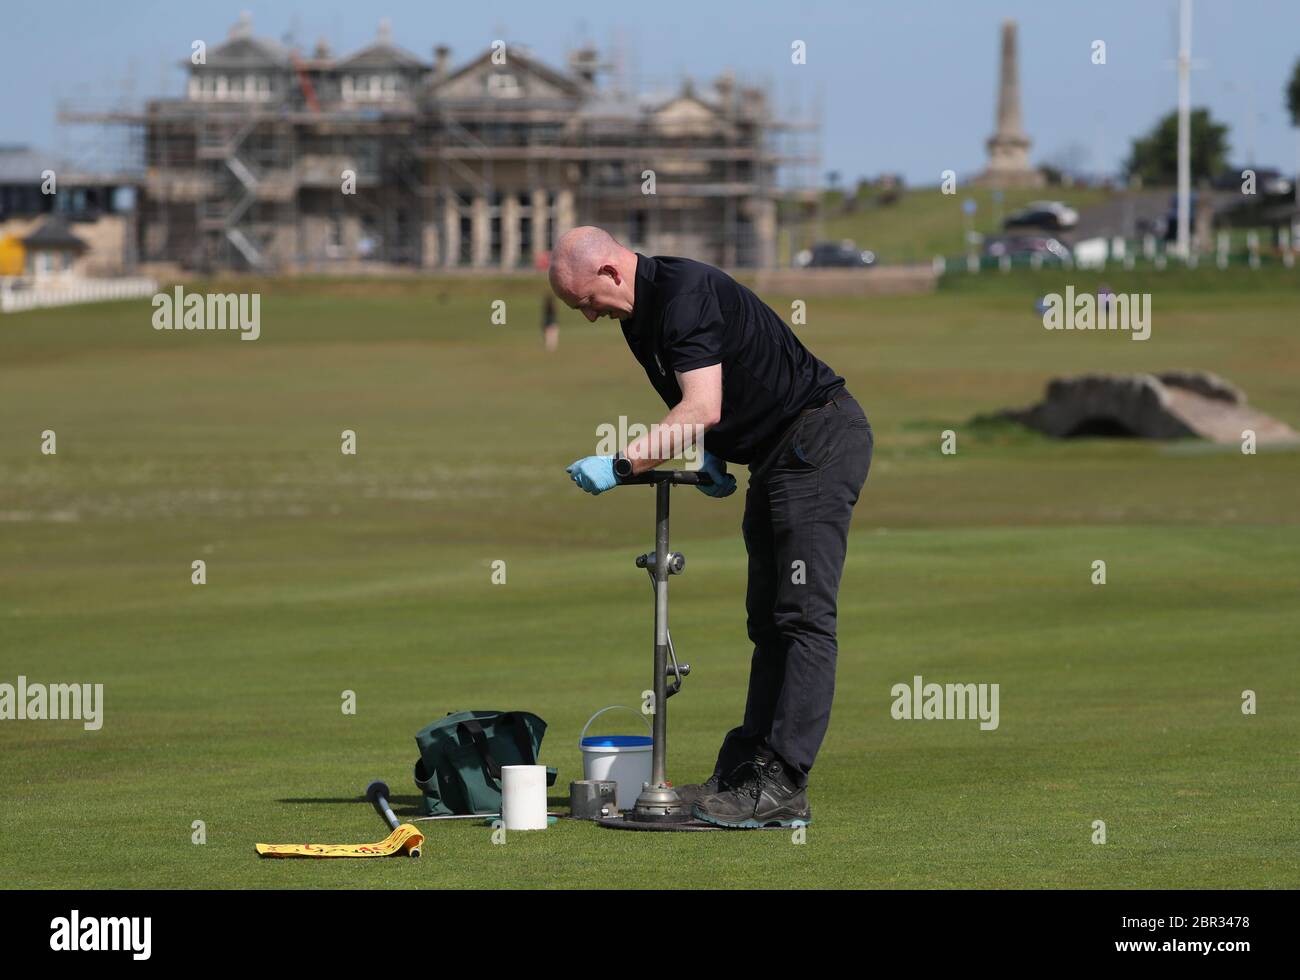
274	161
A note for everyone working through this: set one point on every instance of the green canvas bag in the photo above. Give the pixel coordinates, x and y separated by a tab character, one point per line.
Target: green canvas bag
461	755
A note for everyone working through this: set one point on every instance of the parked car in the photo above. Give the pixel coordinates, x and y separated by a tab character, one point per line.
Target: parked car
1053	215
1024	247
845	254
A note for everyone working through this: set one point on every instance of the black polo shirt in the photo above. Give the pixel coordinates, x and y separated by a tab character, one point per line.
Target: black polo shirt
689	315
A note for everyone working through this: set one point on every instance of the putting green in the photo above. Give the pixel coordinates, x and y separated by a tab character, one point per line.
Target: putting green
373	574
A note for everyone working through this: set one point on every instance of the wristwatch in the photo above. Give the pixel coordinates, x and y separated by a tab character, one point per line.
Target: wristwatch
622	467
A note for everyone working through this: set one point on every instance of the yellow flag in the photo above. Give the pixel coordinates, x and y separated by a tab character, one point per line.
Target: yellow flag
405	840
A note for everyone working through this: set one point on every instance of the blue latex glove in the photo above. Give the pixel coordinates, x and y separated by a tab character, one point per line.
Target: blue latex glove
595	474
724	484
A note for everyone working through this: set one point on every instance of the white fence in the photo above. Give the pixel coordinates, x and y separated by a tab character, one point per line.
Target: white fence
28	294
1097	253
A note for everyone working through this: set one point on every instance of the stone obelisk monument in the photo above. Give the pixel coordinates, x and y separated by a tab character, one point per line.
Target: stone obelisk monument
1009	146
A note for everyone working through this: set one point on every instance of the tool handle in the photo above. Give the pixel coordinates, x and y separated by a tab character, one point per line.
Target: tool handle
682	477
610	708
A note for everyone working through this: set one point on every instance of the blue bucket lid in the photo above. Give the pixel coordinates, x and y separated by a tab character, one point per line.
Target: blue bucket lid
617	741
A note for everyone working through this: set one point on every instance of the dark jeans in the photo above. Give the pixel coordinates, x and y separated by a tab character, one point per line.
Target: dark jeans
796	526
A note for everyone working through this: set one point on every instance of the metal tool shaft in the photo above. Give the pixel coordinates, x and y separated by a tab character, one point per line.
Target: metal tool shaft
659	802
659	759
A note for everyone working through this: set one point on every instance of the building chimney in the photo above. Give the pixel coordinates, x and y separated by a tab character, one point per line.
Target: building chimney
583	64
725	86
441	61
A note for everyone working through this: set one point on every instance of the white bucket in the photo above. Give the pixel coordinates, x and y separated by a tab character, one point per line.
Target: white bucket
624	759
523	797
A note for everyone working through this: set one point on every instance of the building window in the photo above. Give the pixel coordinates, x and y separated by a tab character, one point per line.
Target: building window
504	85
334	236
525	239
466	254
366	154
371	88
368	247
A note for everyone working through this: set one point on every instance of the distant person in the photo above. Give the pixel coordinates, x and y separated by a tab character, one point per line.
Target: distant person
550	328
721	359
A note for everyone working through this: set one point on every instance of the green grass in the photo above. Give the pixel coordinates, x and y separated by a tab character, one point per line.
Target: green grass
371	573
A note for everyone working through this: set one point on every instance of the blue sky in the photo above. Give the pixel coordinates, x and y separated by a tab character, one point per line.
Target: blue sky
905	86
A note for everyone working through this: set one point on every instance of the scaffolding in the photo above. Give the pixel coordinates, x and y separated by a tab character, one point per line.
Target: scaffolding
444	179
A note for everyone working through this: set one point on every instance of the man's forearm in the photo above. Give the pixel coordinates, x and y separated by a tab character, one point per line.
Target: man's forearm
683	427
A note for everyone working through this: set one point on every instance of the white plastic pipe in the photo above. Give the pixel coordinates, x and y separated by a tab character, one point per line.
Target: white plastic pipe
523	797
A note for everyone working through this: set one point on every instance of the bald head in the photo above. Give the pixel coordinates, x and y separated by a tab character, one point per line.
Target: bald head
592	273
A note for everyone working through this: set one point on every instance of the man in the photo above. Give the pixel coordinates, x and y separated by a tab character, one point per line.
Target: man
725	364
550	328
